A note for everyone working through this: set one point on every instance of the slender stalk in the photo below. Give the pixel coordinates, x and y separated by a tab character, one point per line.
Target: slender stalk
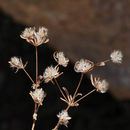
36	64
106	61
28	75
78	86
85	95
34	121
35	108
60	88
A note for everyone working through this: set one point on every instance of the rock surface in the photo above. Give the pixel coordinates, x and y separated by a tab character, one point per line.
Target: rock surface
88	29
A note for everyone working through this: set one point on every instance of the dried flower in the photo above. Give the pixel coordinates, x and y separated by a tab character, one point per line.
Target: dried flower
34	37
100	85
64	117
83	66
61	59
16	62
116	56
38	95
50	73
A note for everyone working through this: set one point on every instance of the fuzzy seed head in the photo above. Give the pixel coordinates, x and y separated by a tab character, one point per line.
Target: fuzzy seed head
38	95
116	56
50	73
83	66
35	37
64	117
100	85
16	62
61	59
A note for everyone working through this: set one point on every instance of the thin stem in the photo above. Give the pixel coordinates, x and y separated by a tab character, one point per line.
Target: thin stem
78	86
28	75
106	61
60	88
34	121
36	64
85	95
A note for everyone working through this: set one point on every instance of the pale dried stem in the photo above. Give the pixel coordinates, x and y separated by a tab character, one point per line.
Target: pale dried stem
85	95
28	75
35	108
78	86
36	64
60	88
34	121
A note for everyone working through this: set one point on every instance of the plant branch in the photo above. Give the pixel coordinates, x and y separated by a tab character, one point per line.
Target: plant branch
36	64
60	88
28	75
85	95
78	86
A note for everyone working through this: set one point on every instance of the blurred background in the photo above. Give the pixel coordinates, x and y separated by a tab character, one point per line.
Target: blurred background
82	29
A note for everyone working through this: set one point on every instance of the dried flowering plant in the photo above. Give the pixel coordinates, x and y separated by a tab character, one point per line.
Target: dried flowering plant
37	37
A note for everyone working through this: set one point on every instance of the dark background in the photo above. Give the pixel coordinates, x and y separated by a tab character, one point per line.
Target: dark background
96	112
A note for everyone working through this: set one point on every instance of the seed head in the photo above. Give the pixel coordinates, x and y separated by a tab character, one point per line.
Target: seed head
16	62
83	66
116	56
35	37
61	59
64	117
38	95
50	73
100	85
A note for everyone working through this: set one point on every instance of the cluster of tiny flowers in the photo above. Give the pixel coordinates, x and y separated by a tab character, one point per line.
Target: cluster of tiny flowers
100	85
116	56
16	62
50	73
61	59
64	117
34	37
83	66
38	95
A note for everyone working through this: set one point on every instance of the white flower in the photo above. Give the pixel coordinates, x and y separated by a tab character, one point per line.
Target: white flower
100	85
50	73
116	56
16	62
61	59
38	95
64	117
83	66
34	37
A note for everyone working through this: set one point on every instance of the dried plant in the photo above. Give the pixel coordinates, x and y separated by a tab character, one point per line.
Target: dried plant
51	73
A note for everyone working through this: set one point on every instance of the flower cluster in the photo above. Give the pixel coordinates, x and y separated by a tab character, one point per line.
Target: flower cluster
116	56
35	37
17	63
50	73
39	36
64	118
61	59
100	85
83	66
38	95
